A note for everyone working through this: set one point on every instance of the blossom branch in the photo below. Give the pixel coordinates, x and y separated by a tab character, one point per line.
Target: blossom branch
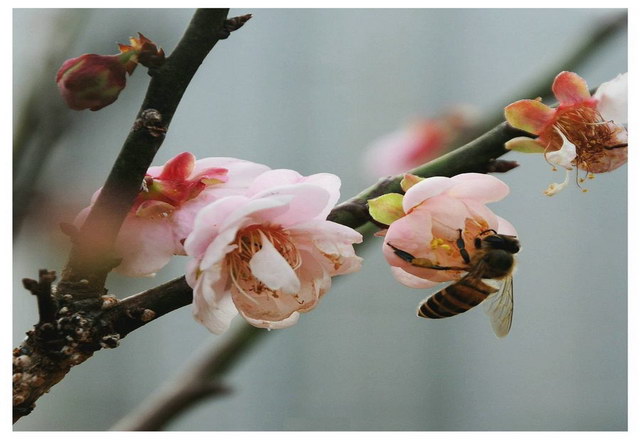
92	256
173	399
477	156
72	325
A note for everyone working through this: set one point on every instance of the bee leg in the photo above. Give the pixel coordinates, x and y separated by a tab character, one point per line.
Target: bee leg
463	251
406	256
421	262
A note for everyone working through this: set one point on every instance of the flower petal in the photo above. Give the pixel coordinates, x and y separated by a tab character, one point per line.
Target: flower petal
505	227
524	144
207	223
411	280
482	188
565	155
570	88
425	189
272	179
409	180
412	234
304	202
145	246
529	115
613	99
274	325
329	182
270	267
178	168
213	307
331	244
241	173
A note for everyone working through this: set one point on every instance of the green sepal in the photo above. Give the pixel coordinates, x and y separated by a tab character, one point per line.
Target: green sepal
387	208
524	145
409	180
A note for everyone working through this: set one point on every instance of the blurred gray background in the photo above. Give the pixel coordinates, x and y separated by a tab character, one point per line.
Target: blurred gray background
309	90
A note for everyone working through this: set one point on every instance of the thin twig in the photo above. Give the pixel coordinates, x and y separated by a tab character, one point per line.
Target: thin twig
204	373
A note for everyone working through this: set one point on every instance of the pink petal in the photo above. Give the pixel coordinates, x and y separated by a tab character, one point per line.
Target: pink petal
330	243
274	325
304	202
329	182
482	188
392	153
207	223
213	307
505	228
411	280
412	234
425	189
529	115
217	249
613	97
145	246
448	214
154	209
270	267
570	88
261	210
273	178
480	211
240	172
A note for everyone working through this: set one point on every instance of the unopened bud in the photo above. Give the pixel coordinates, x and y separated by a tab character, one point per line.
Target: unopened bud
95	81
91	81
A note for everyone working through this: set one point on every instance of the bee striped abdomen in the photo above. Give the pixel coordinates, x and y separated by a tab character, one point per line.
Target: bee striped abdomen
455	299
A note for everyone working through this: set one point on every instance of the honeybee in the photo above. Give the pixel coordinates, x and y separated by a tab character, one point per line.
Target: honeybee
489	279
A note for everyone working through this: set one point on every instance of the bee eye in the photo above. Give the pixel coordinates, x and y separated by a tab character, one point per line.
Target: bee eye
494	239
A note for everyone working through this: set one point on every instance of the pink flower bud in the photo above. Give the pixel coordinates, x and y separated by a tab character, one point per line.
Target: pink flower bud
92	81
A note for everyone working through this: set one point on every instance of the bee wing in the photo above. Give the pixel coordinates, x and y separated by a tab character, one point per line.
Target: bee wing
499	307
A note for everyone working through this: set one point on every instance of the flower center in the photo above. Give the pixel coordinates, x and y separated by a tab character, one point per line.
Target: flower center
589	132
248	242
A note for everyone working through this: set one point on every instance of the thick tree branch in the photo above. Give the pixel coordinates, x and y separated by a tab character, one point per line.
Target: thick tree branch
74	330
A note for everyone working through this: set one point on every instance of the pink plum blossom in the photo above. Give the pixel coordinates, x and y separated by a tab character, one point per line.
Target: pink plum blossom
163	213
584	131
268	254
417	143
438	211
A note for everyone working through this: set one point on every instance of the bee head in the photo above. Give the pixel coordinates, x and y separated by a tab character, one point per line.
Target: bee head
508	243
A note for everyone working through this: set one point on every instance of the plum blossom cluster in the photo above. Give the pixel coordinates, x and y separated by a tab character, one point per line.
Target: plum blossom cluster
429	220
583	131
258	239
93	81
418	142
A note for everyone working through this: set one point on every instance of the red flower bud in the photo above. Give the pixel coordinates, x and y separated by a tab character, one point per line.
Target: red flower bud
91	81
95	81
